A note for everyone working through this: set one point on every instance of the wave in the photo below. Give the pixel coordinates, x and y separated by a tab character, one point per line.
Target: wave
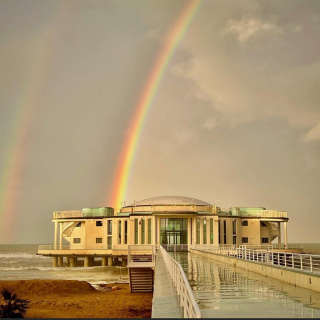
21	255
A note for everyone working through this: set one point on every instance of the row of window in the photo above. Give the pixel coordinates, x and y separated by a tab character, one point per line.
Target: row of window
246	240
78	240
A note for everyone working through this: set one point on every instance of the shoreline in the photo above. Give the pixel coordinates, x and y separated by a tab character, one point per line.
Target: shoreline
79	299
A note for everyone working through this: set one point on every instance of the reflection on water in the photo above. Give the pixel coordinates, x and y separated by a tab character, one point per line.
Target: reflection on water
225	291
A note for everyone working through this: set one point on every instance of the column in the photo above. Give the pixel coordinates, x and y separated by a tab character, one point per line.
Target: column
216	232
208	230
201	231
124	262
153	230
55	261
279	236
86	262
104	262
194	235
122	231
146	230
285	235
60	261
158	230
139	230
110	261
189	232
55	234
60	239
73	262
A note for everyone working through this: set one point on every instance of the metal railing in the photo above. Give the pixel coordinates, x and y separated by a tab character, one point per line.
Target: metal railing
50	247
187	299
142	253
302	262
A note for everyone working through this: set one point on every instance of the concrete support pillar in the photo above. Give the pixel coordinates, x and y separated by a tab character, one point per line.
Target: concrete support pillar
91	261
216	232
67	261
279	236
55	235
122	231
55	261
104	261
60	261
110	261
153	231
208	230
201	231
124	262
285	235
73	262
86	261
139	230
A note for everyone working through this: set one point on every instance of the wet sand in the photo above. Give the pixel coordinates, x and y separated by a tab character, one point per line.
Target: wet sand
78	299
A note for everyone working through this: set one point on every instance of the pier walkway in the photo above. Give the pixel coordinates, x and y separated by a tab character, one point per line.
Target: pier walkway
165	303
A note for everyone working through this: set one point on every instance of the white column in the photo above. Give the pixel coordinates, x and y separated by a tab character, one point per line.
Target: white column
153	230
146	230
216	232
122	231
158	230
189	232
194	230
139	230
285	235
201	230
208	230
55	234
279	236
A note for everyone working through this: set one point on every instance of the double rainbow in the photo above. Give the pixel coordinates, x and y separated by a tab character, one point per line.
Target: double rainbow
173	40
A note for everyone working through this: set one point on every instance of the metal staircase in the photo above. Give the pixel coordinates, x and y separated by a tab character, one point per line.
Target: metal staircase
274	230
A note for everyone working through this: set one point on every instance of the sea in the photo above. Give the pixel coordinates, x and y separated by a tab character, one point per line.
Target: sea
21	262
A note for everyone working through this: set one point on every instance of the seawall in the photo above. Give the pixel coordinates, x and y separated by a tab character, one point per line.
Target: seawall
295	277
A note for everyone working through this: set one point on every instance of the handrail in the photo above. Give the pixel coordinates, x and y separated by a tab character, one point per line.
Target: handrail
298	261
187	299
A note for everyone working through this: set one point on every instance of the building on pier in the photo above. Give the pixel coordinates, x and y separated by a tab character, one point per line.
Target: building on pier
167	220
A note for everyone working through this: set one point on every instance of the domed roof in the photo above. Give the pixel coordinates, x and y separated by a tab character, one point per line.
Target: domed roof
170	200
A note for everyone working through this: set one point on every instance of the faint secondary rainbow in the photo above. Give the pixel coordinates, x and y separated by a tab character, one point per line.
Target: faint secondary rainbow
11	166
173	40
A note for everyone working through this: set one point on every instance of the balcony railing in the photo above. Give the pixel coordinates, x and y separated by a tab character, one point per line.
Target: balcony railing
187	299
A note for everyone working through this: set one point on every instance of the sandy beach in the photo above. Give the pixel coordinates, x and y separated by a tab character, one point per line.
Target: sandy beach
78	299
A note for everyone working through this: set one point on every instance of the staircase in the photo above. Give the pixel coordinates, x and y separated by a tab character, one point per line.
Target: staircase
274	231
141	279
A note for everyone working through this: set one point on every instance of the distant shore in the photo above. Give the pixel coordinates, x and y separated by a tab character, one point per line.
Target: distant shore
78	299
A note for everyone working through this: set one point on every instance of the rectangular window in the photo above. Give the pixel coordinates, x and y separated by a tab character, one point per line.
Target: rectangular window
149	231
143	231
234	239
98	240
78	225
265	240
211	231
126	232
109	243
76	240
224	231
119	232
234	226
204	231
109	226
98	223
136	231
245	240
244	223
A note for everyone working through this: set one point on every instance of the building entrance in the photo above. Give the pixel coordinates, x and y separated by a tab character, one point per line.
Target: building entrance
173	231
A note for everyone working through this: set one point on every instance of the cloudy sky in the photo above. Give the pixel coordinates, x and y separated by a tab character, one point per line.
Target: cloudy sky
236	120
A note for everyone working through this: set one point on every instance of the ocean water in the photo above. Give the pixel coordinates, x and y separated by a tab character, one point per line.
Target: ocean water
20	262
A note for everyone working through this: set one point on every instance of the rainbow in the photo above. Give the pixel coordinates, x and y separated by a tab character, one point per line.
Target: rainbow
127	154
12	166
